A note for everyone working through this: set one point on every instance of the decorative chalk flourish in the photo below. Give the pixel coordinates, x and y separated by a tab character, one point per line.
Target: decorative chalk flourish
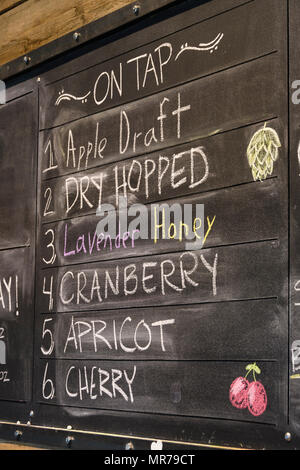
202	47
67	97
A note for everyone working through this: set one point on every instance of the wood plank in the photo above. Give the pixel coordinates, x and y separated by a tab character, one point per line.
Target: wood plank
158	333
171	387
16	324
9	4
169	279
230	212
9	446
35	23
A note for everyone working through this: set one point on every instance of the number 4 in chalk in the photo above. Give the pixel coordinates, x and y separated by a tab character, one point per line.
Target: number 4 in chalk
49	292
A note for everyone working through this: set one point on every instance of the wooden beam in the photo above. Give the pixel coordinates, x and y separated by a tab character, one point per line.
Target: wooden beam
8	446
6	5
35	23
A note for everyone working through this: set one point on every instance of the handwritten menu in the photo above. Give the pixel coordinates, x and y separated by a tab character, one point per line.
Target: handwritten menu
161	293
146	324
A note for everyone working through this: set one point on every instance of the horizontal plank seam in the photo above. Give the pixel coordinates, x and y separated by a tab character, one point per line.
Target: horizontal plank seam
18	247
159	254
165	200
121	308
161	414
145	307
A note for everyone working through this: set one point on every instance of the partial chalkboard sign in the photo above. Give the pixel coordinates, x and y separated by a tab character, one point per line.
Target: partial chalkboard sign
15	324
17	244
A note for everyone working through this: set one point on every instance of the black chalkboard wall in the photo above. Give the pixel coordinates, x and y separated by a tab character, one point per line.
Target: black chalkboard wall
155	340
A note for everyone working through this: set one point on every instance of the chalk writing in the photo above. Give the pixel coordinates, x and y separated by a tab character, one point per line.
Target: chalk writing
9	294
165	276
112	335
96	382
4	376
90	242
144	67
147	178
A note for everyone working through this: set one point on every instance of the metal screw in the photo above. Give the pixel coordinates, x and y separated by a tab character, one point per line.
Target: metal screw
18	434
129	446
136	9
69	440
26	59
76	36
288	436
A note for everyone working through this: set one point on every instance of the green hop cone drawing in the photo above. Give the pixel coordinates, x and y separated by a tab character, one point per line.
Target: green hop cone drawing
262	152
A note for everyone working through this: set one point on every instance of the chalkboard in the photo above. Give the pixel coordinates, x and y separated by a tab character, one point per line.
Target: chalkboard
178	326
17	245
